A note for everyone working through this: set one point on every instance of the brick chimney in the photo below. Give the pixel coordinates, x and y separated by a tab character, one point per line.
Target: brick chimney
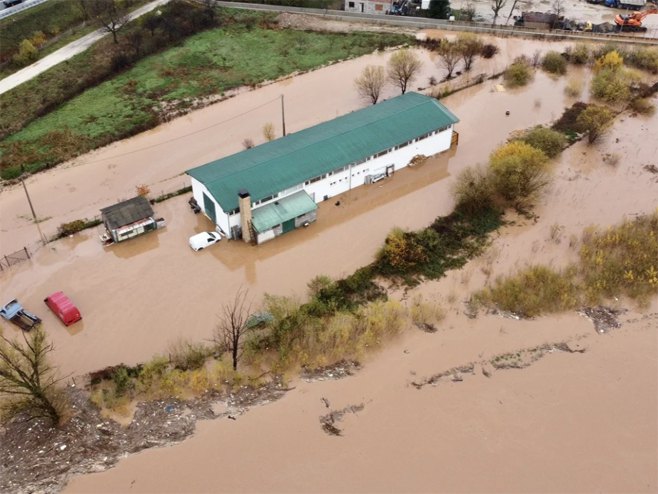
244	202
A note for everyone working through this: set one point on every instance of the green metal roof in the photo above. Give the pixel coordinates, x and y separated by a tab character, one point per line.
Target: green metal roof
280	164
275	213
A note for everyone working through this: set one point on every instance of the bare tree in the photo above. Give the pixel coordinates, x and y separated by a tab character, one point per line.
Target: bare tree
112	15
370	83
26	377
403	67
233	326
268	131
469	47
497	6
511	11
558	8
449	55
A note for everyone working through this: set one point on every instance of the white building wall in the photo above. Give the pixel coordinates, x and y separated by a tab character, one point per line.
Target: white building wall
198	189
336	183
367	6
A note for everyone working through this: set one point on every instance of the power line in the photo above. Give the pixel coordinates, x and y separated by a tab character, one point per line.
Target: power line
278	98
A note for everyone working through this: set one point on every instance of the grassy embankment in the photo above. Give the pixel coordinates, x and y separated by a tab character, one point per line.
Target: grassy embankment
247	50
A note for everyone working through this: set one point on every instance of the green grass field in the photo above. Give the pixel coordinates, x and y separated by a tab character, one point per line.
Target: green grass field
211	62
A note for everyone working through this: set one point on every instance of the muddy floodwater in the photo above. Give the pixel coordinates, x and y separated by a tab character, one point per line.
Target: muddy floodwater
572	421
154	289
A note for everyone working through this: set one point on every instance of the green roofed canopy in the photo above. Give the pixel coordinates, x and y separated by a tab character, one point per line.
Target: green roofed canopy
272	167
275	213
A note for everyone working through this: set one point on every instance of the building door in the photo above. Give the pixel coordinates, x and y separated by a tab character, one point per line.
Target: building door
286	226
362	6
389	170
209	207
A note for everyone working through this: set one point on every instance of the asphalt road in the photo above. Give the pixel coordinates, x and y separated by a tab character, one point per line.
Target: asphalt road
66	52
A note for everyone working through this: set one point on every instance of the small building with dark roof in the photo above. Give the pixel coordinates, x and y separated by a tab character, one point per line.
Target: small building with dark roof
128	219
270	189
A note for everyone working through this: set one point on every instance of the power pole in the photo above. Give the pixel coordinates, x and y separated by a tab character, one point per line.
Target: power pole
34	215
283	117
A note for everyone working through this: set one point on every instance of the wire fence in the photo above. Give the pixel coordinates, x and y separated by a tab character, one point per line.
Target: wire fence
9	260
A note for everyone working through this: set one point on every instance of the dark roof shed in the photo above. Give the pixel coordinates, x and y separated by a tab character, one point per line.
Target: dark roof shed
126	212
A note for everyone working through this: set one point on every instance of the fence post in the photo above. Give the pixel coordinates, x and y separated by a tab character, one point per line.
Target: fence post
26	252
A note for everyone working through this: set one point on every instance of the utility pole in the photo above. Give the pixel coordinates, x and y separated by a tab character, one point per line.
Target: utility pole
34	216
283	117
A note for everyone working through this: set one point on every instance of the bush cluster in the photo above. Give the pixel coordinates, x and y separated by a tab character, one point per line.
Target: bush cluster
554	63
549	141
519	73
617	261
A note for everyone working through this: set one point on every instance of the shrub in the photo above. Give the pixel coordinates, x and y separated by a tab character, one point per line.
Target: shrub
489	50
568	122
533	291
642	106
401	251
645	58
611	86
594	120
519	171
579	54
519	73
549	141
27	53
554	63
185	355
66	229
610	61
474	190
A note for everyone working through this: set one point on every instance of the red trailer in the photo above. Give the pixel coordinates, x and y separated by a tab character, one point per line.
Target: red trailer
63	308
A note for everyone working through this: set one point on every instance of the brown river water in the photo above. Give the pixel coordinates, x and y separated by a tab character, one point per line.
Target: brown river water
571	422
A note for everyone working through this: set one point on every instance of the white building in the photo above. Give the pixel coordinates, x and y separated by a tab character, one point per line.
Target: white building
273	188
367	6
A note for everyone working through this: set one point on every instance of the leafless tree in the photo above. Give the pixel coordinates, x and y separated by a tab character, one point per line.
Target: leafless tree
558	8
496	6
511	11
112	15
370	83
403	67
449	56
268	131
233	326
469	47
26	377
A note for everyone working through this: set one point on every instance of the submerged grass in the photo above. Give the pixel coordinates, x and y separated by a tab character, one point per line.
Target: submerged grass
613	262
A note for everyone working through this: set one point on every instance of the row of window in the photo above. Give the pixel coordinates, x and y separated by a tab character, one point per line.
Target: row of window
342	169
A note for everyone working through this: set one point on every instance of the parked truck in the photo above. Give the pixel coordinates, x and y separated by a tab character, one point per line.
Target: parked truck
16	314
626	4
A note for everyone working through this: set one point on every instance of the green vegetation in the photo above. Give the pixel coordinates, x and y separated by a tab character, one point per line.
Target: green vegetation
245	52
519	171
578	54
613	262
50	19
533	291
519	73
612	81
75	226
593	120
549	141
574	87
622	260
554	63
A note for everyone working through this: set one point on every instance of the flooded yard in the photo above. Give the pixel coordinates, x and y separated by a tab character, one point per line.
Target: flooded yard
572	421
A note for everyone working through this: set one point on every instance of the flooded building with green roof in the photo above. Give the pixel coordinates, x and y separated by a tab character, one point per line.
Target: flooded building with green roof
265	191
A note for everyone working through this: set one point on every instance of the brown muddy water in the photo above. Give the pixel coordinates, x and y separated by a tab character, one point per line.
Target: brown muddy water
153	289
571	422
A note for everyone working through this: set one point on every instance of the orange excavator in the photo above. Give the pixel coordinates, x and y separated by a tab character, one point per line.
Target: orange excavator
633	22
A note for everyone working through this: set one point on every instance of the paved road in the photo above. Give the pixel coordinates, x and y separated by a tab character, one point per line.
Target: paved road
65	53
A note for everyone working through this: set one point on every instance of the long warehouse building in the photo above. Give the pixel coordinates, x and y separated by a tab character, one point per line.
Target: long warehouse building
265	191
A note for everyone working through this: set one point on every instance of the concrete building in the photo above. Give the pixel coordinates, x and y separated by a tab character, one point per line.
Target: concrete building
273	188
367	6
